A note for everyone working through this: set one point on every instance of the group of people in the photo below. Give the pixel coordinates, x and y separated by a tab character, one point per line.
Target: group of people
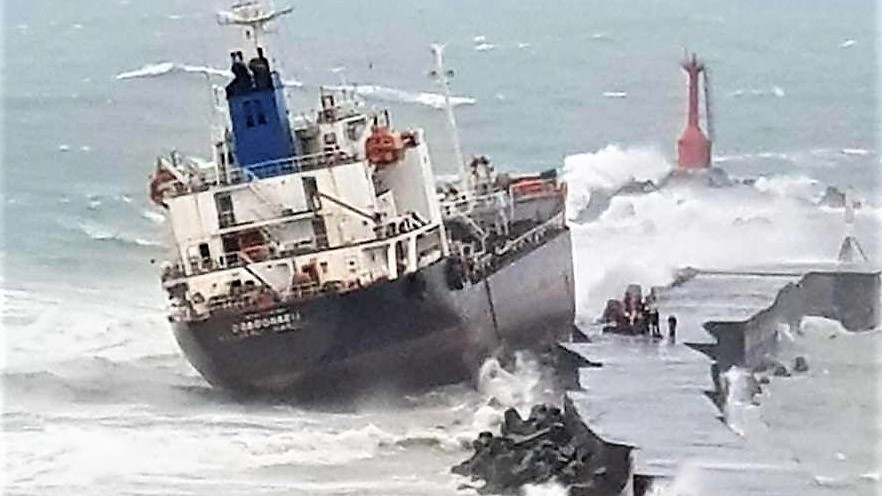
636	315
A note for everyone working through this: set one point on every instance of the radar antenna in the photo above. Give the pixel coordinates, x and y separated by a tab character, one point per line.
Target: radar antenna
250	15
443	77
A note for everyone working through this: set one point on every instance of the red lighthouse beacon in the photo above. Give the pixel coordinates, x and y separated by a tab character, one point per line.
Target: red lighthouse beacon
694	147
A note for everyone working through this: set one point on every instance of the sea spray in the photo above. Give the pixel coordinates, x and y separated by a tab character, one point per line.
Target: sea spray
645	237
522	387
739	388
686	482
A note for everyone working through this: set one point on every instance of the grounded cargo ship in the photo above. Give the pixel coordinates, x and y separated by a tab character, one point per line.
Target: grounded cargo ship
319	253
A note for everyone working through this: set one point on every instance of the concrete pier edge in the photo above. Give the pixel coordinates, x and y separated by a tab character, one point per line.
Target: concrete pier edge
848	293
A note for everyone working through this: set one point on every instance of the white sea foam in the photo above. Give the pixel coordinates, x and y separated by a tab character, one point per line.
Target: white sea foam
775	91
152	216
163	68
686	482
615	94
100	232
547	489
860	152
484	47
847	43
384	93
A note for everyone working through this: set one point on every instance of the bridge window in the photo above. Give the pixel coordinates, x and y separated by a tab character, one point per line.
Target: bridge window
261	117
249	117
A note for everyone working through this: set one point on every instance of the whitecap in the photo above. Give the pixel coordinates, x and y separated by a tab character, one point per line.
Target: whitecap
775	91
98	232
163	68
870	476
479	38
153	216
524	45
78	26
484	47
85	148
63	147
384	93
860	152
847	43
829	481
615	94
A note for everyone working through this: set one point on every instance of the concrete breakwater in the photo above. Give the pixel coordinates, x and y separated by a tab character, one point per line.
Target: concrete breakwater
661	402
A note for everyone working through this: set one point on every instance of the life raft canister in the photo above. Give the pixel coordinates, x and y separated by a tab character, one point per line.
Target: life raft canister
158	184
383	146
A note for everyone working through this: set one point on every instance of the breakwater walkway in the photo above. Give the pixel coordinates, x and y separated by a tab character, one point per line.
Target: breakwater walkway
657	396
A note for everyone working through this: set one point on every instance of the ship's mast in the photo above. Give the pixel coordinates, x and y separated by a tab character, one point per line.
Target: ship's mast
251	16
443	77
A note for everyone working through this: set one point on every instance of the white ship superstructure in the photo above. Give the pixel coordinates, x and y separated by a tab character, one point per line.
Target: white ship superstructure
353	204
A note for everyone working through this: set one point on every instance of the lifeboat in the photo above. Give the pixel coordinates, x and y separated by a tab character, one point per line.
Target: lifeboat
529	186
162	181
384	146
257	253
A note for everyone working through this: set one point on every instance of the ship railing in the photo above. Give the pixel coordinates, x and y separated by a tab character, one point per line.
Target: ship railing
173	271
481	264
196	183
466	205
269	168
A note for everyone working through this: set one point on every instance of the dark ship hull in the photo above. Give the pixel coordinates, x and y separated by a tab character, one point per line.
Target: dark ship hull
413	332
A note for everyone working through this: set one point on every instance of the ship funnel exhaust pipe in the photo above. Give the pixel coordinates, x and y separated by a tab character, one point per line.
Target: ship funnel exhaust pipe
694	147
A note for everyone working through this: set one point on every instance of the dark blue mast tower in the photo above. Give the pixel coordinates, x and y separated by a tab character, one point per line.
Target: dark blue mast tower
262	140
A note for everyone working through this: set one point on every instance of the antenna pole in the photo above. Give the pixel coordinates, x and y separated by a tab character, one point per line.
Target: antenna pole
443	76
708	115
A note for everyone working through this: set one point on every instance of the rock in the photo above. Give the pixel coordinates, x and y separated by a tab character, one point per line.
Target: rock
800	364
832	197
513	424
541	448
781	371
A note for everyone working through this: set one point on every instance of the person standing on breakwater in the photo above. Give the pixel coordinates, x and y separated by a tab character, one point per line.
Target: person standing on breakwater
652	314
672	328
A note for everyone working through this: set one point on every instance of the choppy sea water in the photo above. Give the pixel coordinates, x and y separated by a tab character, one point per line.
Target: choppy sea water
97	399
